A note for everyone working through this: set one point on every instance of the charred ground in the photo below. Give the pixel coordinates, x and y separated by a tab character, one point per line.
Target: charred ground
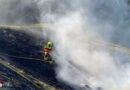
20	42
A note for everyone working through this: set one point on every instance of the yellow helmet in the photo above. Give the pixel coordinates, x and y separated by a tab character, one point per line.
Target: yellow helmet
49	44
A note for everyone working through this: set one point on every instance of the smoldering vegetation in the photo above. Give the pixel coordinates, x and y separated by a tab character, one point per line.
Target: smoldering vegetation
77	23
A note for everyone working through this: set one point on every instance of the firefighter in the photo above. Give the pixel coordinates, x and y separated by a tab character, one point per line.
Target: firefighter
47	52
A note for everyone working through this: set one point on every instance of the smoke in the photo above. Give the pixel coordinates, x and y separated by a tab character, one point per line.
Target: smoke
18	12
81	61
78	25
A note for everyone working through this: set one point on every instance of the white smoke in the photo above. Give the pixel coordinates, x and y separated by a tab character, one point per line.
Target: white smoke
80	60
18	12
78	25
